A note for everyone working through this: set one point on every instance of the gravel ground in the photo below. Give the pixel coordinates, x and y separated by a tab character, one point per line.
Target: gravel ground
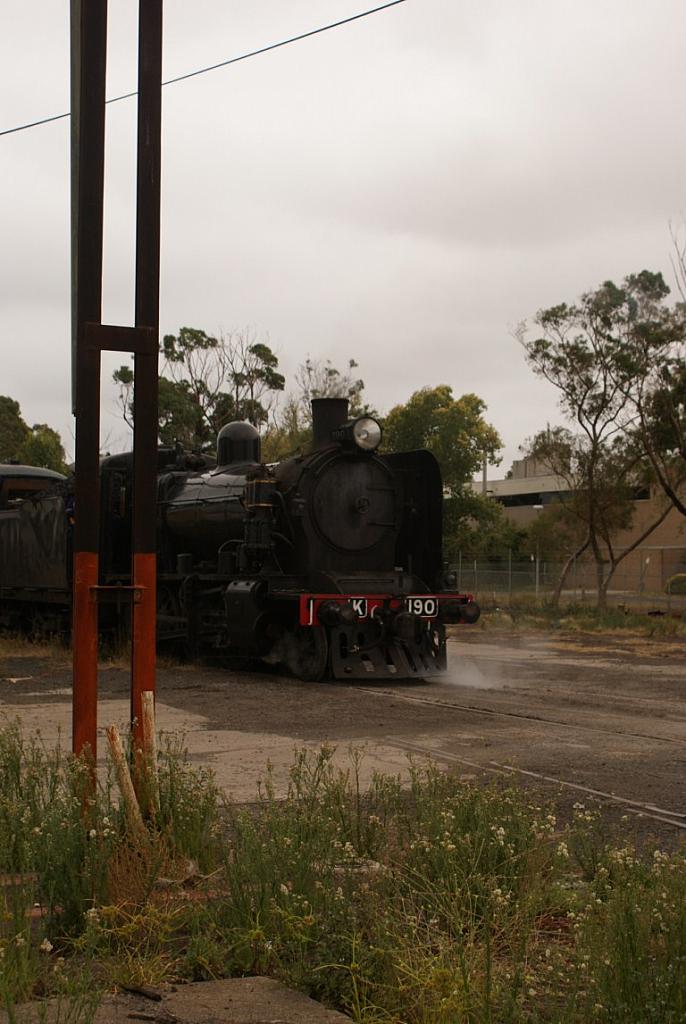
602	712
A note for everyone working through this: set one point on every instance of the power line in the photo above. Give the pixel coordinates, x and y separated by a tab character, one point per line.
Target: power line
221	64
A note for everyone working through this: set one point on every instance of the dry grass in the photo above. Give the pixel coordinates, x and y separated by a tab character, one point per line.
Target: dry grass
576	621
437	903
18	644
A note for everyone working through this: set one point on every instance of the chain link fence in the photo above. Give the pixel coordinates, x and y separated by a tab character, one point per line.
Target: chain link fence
649	581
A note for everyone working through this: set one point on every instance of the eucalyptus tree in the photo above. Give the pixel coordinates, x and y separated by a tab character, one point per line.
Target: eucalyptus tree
601	354
207	381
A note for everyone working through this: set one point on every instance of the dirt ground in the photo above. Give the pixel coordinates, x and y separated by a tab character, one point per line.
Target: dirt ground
231	1001
605	713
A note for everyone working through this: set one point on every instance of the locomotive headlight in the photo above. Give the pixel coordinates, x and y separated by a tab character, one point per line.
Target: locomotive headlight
367	433
364	433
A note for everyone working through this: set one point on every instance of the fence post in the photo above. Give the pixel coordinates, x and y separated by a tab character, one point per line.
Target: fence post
509	574
538	571
476	585
661	584
459	571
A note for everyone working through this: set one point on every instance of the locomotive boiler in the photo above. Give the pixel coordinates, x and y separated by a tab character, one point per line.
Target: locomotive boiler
329	563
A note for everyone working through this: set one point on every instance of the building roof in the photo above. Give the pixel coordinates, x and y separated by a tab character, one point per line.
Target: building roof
523	485
33	472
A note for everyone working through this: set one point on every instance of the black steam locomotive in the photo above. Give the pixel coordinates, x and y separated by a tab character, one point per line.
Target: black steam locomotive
328	563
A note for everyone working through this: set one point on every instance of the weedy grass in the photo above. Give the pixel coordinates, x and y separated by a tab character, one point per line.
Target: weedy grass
526	614
13	644
429	903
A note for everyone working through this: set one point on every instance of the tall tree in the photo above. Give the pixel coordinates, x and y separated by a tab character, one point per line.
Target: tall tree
582	352
646	350
453	429
317	378
290	429
287	434
252	370
43	447
207	382
601	486
13	429
38	445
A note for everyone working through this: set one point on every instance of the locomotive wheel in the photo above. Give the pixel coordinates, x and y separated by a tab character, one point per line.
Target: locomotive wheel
307	653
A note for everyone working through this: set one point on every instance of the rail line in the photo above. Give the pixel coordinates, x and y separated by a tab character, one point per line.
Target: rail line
679	706
519	715
640	809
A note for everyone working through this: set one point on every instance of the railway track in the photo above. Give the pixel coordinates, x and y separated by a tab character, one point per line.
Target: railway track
676	819
678	706
518	715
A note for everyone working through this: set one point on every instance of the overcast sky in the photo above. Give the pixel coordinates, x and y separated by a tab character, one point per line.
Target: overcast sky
403	189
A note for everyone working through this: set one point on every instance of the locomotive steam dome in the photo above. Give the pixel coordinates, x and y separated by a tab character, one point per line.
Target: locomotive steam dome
238	443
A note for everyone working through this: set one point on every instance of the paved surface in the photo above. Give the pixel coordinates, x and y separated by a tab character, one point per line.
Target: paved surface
604	713
233	1001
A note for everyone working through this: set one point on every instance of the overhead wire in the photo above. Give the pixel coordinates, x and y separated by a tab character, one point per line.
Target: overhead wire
221	64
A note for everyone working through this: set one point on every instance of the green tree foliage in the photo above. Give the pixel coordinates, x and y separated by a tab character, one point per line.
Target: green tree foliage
584	351
455	431
43	447
13	429
38	445
288	434
206	382
646	341
180	417
476	527
555	533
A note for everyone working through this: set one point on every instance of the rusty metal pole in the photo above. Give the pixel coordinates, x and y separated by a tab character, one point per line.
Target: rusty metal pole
89	46
90	337
144	537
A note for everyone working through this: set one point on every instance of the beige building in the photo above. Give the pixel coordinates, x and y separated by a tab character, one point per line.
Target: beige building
530	487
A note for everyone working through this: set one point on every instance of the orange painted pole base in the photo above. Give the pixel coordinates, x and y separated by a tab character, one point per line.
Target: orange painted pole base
144	639
85	656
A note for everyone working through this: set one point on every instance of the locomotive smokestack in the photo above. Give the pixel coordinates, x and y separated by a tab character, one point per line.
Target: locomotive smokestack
327	415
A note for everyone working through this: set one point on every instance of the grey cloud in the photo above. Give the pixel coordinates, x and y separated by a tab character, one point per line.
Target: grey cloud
401	190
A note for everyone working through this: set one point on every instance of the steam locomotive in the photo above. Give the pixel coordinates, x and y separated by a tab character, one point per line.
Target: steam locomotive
329	563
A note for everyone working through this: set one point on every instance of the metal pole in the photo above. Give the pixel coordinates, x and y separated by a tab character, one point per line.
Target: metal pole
145	401
90	337
88	49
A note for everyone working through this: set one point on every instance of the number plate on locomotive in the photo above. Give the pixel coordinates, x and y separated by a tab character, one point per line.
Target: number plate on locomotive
425	607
